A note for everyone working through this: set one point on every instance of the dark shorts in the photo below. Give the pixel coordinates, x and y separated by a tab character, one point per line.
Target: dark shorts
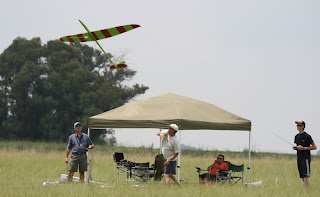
171	168
210	177
304	168
78	161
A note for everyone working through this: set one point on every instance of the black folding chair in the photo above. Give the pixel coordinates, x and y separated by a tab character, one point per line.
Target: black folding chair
118	157
142	172
123	166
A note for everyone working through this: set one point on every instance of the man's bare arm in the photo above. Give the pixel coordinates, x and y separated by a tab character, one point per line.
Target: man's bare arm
313	146
67	155
160	134
171	158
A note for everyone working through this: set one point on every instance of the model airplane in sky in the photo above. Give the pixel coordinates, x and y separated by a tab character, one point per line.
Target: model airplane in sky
99	35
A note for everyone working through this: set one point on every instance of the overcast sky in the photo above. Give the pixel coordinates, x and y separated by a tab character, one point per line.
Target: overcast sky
258	59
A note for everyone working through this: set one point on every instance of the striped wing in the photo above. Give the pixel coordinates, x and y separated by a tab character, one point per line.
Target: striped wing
100	34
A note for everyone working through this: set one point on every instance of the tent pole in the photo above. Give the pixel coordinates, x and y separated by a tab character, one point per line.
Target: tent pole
160	144
85	173
179	156
249	157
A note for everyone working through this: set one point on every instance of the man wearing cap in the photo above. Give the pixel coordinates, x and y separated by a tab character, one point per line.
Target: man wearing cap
78	143
170	150
304	145
213	169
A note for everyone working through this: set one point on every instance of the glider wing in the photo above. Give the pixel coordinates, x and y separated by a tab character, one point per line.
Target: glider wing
100	34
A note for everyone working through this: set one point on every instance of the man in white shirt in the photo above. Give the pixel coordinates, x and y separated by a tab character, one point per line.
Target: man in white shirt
170	150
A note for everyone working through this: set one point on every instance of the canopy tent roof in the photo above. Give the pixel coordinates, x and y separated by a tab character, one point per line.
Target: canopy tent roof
157	112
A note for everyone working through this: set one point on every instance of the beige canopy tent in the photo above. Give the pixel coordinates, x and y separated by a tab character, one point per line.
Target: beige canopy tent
157	112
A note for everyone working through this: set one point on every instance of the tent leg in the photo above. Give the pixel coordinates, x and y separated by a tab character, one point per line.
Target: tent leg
160	144
85	173
179	156
249	157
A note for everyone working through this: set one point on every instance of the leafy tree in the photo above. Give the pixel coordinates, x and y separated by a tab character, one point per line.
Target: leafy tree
46	88
19	73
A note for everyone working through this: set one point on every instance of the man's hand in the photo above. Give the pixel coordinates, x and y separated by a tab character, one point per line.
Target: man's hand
166	162
66	160
300	147
161	135
91	146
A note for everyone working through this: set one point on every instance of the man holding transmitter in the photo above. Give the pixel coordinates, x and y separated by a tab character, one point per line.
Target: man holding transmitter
78	143
304	145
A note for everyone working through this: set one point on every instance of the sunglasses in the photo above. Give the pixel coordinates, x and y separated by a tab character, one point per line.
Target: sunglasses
78	125
299	125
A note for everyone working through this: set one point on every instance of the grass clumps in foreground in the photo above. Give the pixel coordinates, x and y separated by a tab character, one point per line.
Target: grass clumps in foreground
24	167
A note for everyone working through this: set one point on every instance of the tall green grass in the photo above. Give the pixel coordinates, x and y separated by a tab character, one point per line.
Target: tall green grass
24	166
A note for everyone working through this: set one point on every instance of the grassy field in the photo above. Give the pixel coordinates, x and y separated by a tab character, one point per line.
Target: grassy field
24	166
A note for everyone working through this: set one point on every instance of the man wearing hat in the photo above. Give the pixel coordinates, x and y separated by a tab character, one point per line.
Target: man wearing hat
304	145
213	169
170	151
78	143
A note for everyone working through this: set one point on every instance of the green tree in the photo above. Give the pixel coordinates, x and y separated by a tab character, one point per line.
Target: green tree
20	70
45	88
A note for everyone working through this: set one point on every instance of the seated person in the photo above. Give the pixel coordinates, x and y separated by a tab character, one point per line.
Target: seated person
218	164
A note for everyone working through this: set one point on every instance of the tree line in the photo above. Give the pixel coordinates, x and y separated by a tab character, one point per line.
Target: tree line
45	88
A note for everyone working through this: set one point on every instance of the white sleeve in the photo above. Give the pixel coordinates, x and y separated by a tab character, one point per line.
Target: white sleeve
164	132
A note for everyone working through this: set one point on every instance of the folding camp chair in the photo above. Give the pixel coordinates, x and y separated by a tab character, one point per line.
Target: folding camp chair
123	166
155	171
118	157
200	171
231	175
142	172
210	178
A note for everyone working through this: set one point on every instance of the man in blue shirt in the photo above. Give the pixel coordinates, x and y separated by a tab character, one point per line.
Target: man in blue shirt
304	145
78	143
